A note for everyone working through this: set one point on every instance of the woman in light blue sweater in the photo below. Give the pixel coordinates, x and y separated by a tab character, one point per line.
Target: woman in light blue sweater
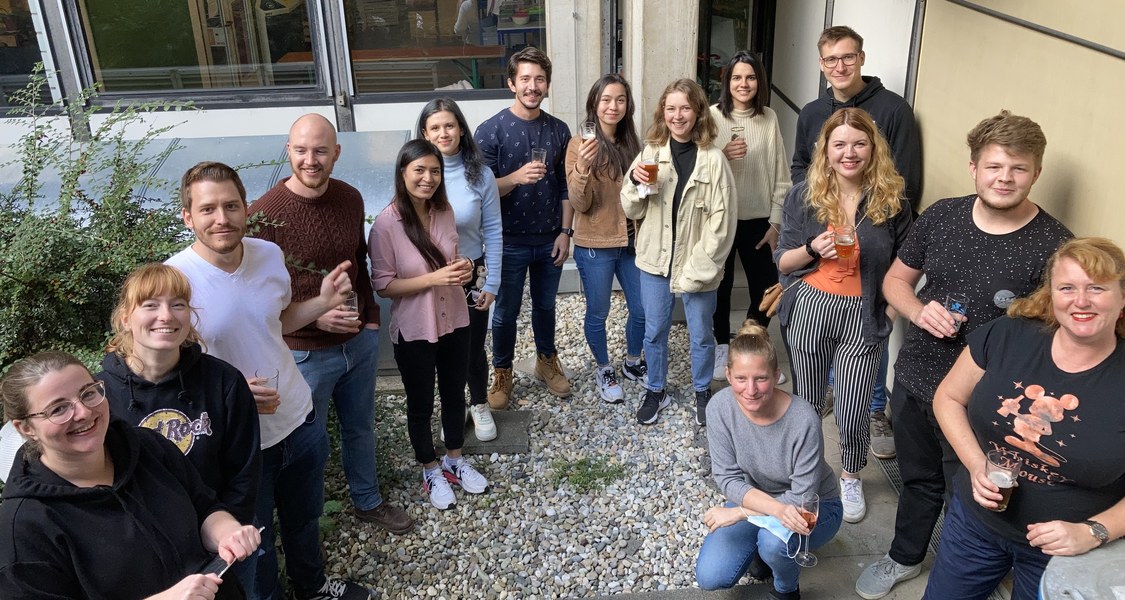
472	191
767	452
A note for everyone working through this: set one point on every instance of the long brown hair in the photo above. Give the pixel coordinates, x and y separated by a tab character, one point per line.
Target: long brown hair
614	156
881	182
415	231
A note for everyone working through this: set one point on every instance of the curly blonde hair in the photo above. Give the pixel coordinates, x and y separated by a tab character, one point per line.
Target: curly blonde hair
1101	259
705	129
882	185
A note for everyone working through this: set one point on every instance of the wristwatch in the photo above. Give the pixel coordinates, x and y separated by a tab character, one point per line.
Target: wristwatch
569	231
1099	531
809	248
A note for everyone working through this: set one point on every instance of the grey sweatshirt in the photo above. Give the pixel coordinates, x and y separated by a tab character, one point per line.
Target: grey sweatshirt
784	459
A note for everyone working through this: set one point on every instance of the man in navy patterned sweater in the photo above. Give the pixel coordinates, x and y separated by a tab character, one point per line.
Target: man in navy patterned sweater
525	148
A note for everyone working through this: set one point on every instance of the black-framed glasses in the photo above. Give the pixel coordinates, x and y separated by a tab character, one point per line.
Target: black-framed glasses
60	414
831	61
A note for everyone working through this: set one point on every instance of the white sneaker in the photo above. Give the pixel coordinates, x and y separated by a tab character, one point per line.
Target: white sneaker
851	496
782	379
437	489
608	387
483	424
464	475
721	361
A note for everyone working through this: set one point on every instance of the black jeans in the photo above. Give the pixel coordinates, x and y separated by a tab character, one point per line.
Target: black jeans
760	274
927	463
418	362
478	361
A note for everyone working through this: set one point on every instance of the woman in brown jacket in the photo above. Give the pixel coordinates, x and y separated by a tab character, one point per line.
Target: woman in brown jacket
603	238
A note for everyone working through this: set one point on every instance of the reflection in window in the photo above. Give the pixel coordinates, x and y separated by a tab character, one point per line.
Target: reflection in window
421	45
19	51
138	45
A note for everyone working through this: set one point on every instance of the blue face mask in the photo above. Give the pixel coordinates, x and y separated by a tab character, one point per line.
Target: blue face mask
772	525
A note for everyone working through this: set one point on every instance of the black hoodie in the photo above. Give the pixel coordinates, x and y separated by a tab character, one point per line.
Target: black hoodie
133	539
892	115
205	407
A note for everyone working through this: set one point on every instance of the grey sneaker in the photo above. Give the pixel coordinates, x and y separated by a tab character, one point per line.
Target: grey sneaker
882	438
879	577
851	496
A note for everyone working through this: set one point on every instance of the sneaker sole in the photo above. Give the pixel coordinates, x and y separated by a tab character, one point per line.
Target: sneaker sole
665	403
856	519
870	596
884	455
608	399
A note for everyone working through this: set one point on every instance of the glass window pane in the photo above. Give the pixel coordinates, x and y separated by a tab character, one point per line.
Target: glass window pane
19	51
138	45
421	45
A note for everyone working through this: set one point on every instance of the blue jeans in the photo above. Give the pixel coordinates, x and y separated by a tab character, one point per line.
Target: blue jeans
972	560
345	374
879	396
727	551
699	309
519	261
596	267
293	482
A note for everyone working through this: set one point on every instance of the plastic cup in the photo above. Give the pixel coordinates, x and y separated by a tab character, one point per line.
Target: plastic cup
958	305
1004	471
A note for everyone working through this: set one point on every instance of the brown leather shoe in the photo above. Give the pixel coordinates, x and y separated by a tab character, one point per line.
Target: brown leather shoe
393	519
549	369
501	392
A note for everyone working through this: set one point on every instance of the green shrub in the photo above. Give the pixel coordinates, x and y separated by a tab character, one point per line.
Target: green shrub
62	259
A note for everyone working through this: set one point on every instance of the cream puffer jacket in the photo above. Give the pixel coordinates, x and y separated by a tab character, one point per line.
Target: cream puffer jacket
705	224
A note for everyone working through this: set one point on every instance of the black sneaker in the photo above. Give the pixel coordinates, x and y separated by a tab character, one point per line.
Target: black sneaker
701	400
653	403
340	589
635	372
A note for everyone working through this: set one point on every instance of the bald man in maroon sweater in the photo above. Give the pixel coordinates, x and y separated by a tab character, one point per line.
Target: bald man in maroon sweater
319	221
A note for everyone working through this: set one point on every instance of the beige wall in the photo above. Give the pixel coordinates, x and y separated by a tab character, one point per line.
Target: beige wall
660	47
972	65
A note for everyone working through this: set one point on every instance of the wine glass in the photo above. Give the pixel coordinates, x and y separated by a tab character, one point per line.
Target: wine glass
809	509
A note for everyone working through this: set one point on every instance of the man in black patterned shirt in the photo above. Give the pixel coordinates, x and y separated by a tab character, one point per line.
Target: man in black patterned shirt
991	247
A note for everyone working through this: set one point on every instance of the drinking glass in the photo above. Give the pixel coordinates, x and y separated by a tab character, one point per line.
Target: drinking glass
539	155
351	304
843	236
809	509
589	130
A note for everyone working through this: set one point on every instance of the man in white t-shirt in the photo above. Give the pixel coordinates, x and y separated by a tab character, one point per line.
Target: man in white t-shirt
241	293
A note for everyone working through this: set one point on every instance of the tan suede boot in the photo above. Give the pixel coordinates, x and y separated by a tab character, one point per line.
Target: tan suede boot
549	369
501	392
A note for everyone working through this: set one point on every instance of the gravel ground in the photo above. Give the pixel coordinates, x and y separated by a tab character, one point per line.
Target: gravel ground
528	537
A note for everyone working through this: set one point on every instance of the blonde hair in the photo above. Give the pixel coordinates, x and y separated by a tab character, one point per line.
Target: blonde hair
881	182
1100	258
705	129
752	339
147	282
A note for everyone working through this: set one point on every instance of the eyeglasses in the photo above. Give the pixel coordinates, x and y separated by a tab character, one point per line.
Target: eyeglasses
60	414
847	59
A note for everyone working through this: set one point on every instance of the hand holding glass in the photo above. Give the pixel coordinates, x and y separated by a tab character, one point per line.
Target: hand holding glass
351	304
809	509
1003	470
958	306
843	236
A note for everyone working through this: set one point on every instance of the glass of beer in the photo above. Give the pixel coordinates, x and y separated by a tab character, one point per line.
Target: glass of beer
652	169
1003	470
809	509
844	238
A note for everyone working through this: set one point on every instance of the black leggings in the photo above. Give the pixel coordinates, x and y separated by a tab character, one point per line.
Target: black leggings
760	274
418	362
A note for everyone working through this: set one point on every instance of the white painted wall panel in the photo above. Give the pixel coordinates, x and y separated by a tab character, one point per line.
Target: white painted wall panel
885	26
795	70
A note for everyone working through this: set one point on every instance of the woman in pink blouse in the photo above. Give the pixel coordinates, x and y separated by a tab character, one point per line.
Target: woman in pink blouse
414	261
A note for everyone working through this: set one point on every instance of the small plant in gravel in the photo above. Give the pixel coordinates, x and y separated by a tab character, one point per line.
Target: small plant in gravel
585	474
